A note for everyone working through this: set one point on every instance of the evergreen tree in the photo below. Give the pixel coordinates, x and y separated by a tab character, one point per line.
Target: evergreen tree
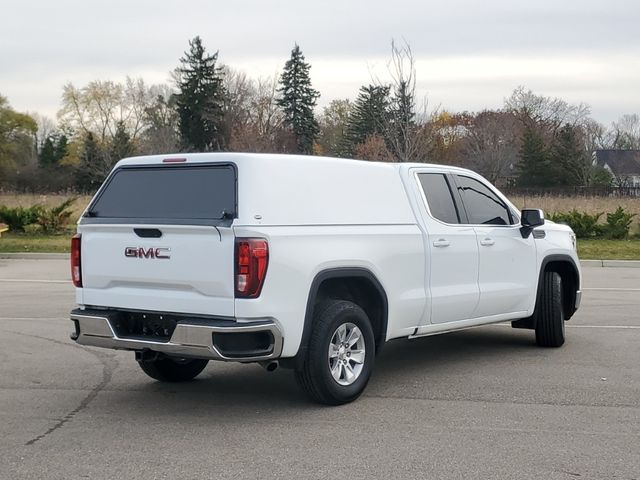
47	154
298	99
534	168
61	147
401	121
200	100
121	145
92	169
368	117
568	158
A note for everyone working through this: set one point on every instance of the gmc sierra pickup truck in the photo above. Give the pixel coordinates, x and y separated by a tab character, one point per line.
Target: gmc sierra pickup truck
309	263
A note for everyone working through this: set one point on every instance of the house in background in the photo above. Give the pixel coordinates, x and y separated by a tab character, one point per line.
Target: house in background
624	165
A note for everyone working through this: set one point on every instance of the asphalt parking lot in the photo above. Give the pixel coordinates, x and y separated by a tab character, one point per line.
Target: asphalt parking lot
483	403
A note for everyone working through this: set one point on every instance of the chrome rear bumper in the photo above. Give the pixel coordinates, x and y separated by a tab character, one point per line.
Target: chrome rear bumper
195	338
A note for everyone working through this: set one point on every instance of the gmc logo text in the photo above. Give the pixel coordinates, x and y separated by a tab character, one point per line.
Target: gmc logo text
151	252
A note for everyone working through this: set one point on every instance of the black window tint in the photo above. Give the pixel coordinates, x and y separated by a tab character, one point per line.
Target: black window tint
481	204
181	193
439	197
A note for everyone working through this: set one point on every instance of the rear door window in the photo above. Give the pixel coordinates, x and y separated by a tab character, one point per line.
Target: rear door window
163	194
439	197
483	206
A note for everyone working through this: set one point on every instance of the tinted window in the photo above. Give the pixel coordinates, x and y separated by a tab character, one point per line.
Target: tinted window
481	204
439	197
199	192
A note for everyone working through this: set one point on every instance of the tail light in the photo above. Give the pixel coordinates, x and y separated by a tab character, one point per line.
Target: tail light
252	258
76	267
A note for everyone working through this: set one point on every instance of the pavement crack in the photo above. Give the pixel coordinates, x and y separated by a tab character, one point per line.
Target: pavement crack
109	364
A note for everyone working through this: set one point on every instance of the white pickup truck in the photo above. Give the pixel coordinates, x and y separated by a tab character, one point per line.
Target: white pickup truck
306	262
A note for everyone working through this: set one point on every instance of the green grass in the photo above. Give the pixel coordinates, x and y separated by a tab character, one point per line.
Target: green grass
13	242
601	249
587	249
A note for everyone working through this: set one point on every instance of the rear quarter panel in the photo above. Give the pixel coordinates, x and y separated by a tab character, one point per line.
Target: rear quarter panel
393	253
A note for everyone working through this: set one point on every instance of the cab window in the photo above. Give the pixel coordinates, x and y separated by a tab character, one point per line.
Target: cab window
482	205
437	191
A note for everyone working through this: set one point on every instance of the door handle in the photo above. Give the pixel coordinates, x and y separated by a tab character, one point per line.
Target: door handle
487	242
441	243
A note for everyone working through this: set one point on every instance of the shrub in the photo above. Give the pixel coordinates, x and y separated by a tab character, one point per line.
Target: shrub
618	224
17	218
56	219
583	225
33	229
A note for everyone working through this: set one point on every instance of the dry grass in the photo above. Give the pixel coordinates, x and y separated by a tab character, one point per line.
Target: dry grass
26	200
554	204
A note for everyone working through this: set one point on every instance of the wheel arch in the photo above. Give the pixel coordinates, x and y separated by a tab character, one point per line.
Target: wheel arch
355	284
566	267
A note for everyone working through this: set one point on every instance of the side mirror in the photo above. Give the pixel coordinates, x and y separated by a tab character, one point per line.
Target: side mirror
530	219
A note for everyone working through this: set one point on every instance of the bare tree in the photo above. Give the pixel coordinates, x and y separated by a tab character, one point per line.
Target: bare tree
548	113
99	106
402	132
625	133
492	144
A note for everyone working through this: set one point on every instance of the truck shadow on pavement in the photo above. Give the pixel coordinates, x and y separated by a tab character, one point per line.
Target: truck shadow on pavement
402	364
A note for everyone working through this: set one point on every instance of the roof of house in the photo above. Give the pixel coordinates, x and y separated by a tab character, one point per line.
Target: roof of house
621	162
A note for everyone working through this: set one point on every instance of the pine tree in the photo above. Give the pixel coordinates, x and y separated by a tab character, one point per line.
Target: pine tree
47	156
401	121
121	145
298	99
534	168
368	117
568	158
91	171
200	101
61	149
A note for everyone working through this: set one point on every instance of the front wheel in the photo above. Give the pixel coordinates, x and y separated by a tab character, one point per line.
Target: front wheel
173	369
549	315
340	354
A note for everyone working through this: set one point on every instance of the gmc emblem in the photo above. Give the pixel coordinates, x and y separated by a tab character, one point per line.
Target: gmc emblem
151	252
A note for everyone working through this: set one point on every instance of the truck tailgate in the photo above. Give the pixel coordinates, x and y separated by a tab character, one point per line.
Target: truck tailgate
188	269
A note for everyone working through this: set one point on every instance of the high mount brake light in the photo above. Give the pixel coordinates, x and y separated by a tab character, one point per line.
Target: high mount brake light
174	160
76	265
251	260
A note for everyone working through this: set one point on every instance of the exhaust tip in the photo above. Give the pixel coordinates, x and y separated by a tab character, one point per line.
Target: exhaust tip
270	366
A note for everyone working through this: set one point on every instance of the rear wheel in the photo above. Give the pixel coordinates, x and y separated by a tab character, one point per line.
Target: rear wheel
549	316
172	369
340	354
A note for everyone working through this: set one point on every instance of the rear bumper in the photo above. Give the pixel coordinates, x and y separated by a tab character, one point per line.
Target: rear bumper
191	338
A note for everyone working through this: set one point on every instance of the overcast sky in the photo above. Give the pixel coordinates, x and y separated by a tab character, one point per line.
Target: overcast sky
469	54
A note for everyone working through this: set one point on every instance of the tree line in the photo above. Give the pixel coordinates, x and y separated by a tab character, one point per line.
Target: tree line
533	140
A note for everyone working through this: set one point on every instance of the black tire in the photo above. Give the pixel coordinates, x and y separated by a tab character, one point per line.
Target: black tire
169	369
549	315
314	376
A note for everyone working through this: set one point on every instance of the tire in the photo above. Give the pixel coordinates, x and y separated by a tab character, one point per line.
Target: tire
549	315
328	370
171	369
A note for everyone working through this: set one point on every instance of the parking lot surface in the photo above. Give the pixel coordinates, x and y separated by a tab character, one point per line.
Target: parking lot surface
482	403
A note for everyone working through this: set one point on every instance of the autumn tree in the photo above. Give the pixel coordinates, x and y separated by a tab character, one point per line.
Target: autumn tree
200	100
17	138
99	106
334	123
298	99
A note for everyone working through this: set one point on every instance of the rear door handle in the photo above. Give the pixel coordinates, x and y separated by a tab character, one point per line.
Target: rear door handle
441	243
487	242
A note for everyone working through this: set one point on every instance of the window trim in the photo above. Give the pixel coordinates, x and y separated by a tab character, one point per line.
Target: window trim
512	218
462	214
214	222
